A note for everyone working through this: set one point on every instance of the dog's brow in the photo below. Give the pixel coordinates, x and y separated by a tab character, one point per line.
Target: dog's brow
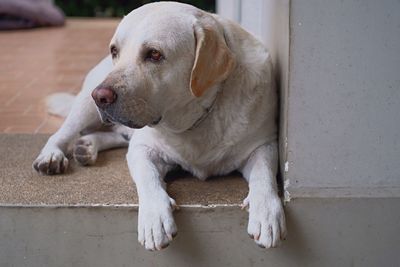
151	45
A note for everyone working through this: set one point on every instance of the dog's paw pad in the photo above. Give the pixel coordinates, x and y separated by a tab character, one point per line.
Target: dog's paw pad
85	153
51	162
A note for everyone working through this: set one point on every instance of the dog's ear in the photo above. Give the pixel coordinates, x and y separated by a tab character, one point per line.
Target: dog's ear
213	61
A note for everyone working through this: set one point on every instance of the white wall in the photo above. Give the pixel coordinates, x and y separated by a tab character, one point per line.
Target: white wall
344	95
340	91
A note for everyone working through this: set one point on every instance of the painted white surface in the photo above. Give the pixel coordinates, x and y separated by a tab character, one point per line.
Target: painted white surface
229	9
322	232
340	92
344	95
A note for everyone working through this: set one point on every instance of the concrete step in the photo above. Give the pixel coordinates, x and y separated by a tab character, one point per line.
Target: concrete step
88	217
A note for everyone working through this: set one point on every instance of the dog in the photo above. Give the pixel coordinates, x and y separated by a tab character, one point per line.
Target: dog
181	87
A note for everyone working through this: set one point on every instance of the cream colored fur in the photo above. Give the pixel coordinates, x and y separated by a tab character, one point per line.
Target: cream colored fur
227	123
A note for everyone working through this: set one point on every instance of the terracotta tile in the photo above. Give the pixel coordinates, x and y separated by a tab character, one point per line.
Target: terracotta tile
19	123
36	63
3	128
11	85
19	129
51	125
7	95
10	101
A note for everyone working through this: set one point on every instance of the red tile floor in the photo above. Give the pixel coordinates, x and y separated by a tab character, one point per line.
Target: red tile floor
35	63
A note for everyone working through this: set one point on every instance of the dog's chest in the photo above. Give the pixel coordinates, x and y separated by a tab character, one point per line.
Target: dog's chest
204	152
222	142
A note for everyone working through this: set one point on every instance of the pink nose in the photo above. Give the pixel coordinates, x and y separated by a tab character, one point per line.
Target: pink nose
103	96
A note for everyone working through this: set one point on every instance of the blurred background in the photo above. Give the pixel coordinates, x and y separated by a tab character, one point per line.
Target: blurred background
115	8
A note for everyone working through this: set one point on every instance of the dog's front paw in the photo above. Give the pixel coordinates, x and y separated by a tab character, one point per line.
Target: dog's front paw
266	219
156	226
51	162
85	153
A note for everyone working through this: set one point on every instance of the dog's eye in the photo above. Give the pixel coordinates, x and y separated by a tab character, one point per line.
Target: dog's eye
154	55
114	51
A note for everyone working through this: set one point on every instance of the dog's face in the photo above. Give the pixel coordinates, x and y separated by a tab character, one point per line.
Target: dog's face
162	58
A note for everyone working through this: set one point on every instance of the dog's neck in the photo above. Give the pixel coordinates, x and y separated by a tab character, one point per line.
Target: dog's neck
206	112
191	113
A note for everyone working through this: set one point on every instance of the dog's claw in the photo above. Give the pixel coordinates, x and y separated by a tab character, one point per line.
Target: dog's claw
245	204
170	237
174	206
52	162
164	246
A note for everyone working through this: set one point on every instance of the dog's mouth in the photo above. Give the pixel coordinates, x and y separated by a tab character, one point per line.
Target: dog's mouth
105	118
108	120
156	121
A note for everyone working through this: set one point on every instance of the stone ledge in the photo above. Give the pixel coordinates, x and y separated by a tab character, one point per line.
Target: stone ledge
321	232
106	183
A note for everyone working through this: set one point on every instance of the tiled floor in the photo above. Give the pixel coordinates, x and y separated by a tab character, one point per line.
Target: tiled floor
35	63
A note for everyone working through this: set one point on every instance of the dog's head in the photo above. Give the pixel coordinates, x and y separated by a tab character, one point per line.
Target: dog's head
167	57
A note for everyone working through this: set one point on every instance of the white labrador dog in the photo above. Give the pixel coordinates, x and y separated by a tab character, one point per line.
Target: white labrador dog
181	87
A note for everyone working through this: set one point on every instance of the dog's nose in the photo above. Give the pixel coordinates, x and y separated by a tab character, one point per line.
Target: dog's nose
104	96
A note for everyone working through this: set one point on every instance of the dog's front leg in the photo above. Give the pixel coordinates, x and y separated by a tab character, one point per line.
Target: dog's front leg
52	159
266	216
156	225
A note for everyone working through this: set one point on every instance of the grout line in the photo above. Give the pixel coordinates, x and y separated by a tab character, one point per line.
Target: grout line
6	130
72	91
32	81
41	125
27	110
12	99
